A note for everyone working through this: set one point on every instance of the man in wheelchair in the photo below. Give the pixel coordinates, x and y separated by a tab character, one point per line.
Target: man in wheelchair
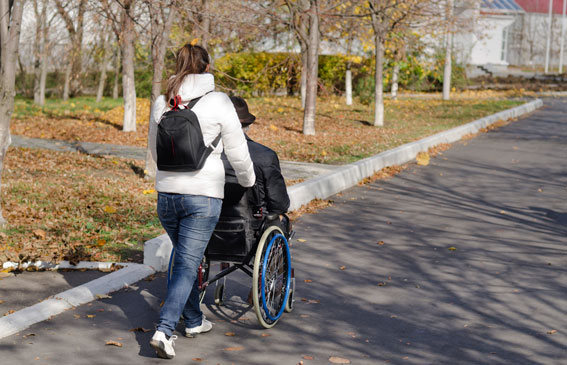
246	211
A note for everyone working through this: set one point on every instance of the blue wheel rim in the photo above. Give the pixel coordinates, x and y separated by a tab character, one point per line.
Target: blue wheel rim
264	265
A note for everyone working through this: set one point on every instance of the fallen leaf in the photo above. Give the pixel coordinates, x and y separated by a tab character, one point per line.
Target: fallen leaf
300	240
422	159
237	348
551	332
342	267
103	296
9	312
197	359
76	316
351	334
338	360
139	329
149	191
381	283
308	280
1	302
230	334
28	335
273	128
114	343
452	248
503	212
40	233
265	335
109	209
304	315
540	190
91	315
100	242
307	357
381	243
313	301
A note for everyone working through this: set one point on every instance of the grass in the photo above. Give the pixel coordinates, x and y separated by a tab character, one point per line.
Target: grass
75	206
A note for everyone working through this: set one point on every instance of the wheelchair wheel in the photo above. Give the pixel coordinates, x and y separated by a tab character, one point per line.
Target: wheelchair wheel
202	273
271	276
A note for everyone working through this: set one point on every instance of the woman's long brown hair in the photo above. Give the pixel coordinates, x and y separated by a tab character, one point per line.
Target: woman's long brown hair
190	60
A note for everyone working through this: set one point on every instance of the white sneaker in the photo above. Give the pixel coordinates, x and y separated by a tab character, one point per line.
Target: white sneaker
162	345
205	326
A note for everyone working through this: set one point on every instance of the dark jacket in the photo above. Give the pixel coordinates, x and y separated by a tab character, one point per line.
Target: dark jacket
270	191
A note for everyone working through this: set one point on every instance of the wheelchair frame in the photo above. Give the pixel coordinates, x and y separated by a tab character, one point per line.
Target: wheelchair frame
271	272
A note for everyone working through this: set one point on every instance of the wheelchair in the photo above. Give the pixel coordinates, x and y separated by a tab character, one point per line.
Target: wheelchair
247	239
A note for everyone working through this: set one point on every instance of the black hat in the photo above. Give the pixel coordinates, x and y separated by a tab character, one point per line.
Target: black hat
242	110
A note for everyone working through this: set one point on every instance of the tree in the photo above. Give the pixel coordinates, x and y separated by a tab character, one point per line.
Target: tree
304	17
40	52
124	27
74	67
105	57
10	25
161	19
448	57
386	17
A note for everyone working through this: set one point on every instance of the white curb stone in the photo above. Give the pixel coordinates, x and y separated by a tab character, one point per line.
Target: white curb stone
158	250
82	294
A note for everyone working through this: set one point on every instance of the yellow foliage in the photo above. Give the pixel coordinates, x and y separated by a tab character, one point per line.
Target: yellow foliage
116	115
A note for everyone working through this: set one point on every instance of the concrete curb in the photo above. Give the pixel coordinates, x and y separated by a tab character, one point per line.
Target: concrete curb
158	250
323	186
71	298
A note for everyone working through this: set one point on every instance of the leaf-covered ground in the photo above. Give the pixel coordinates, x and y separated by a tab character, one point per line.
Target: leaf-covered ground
344	133
79	207
70	205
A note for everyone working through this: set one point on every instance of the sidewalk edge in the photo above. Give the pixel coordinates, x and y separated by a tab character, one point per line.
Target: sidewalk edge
74	297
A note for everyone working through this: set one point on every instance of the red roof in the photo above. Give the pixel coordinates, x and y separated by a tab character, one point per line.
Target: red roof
541	6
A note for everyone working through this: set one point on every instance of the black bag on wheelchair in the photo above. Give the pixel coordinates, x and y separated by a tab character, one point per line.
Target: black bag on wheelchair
233	237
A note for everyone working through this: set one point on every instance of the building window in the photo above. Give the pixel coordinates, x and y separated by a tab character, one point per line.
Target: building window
504	51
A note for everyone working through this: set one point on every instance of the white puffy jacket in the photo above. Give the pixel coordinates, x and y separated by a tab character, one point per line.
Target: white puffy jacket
216	115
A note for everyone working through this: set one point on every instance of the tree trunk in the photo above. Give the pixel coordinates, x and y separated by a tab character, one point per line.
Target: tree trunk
395	76
160	34
312	70
348	85
128	53
116	72
67	84
40	18
448	57
378	76
10	26
104	64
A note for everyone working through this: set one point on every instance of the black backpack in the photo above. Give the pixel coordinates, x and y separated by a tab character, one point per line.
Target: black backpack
179	141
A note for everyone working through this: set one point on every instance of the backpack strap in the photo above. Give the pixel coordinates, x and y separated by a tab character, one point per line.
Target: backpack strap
191	105
194	101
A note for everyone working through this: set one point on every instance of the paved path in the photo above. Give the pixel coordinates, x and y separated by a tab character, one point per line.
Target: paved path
500	297
291	170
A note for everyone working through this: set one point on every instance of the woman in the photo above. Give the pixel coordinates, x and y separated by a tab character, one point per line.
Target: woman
189	203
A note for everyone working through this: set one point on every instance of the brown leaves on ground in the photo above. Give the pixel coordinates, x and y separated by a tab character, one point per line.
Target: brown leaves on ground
86	125
55	202
113	343
310	208
343	133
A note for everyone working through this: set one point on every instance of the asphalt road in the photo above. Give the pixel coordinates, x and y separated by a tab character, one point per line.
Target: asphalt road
462	261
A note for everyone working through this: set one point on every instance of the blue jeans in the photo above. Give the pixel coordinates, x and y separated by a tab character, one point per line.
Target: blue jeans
189	221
